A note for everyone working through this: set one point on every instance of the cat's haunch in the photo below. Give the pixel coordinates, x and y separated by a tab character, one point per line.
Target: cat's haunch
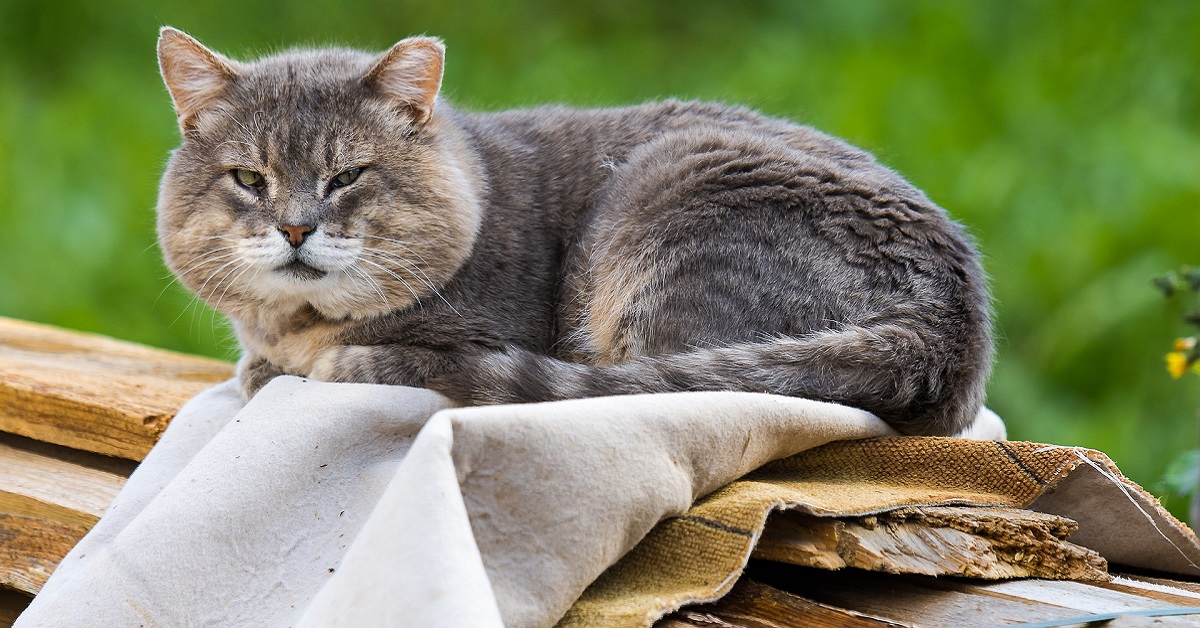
354	227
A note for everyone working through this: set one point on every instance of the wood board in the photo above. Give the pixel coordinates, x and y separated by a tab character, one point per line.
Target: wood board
94	393
50	497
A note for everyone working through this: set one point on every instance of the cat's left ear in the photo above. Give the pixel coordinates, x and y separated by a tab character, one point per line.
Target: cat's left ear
195	75
410	75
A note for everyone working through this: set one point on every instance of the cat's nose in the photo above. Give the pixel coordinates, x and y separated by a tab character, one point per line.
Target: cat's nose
295	234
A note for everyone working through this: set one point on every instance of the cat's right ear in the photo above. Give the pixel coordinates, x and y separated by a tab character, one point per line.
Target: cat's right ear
409	75
195	75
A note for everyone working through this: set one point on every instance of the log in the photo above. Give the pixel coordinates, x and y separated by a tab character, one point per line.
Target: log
809	597
987	543
914	600
49	498
752	604
94	393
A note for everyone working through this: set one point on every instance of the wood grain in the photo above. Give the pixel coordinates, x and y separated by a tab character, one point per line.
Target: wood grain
752	604
94	393
32	548
955	603
49	498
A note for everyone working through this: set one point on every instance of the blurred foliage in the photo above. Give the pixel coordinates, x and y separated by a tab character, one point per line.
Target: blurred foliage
1065	134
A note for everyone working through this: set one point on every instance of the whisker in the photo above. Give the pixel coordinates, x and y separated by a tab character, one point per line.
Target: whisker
402	244
401	260
231	282
200	290
406	265
370	282
400	279
207	260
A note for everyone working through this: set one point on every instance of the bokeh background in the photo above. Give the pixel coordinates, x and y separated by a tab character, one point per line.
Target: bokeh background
1066	135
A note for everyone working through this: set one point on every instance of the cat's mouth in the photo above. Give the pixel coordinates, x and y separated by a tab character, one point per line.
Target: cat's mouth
300	270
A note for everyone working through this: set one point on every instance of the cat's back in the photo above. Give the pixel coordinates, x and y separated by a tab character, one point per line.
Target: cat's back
598	128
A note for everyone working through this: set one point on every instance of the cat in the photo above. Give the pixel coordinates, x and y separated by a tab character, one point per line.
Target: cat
354	227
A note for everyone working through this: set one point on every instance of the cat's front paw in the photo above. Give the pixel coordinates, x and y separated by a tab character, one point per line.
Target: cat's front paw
346	363
253	373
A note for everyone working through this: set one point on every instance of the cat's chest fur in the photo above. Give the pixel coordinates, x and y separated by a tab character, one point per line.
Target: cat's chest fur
295	343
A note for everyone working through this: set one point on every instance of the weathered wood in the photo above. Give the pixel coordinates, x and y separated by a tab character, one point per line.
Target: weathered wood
989	543
954	603
1178	591
773	595
94	393
55	483
33	548
49	498
752	604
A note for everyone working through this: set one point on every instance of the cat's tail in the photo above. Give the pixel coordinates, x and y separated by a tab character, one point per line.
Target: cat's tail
919	385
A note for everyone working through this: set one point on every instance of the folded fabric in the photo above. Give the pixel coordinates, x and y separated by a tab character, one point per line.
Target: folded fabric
354	505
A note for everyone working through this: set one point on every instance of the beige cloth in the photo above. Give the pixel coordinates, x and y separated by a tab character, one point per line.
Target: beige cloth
350	505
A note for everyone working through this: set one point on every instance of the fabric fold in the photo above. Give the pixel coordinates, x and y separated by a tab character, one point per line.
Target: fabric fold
347	504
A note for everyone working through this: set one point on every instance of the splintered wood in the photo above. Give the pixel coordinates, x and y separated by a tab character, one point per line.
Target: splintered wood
773	595
94	393
988	543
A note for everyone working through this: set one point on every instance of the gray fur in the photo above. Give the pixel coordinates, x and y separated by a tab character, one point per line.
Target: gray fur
558	253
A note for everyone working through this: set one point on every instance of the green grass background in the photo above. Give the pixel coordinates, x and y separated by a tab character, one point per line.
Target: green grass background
1066	135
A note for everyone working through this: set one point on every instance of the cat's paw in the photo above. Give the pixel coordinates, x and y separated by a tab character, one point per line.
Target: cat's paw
341	364
253	373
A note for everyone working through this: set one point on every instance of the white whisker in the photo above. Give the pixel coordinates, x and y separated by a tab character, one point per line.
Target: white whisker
410	267
400	279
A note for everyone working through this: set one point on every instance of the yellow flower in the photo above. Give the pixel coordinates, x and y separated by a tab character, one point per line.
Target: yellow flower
1177	364
1185	344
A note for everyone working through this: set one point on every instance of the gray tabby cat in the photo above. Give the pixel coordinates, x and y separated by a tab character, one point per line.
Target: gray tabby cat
354	227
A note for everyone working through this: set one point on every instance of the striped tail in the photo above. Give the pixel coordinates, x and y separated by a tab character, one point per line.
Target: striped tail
918	383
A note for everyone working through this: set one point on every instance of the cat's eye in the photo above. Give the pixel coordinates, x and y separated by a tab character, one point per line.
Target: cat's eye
248	178
346	178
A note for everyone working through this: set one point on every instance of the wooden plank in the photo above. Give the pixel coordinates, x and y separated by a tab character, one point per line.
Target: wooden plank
33	483
94	393
12	603
954	602
32	548
752	604
50	497
916	600
1083	597
1189	587
990	543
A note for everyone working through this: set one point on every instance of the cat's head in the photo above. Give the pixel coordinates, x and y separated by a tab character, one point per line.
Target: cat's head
327	177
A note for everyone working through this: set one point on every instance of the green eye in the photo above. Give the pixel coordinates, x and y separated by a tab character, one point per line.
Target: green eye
248	178
346	178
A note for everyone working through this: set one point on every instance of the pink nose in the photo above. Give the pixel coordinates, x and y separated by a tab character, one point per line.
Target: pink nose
296	233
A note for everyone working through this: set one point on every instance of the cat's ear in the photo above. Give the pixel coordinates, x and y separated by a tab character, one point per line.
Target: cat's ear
410	75
195	75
